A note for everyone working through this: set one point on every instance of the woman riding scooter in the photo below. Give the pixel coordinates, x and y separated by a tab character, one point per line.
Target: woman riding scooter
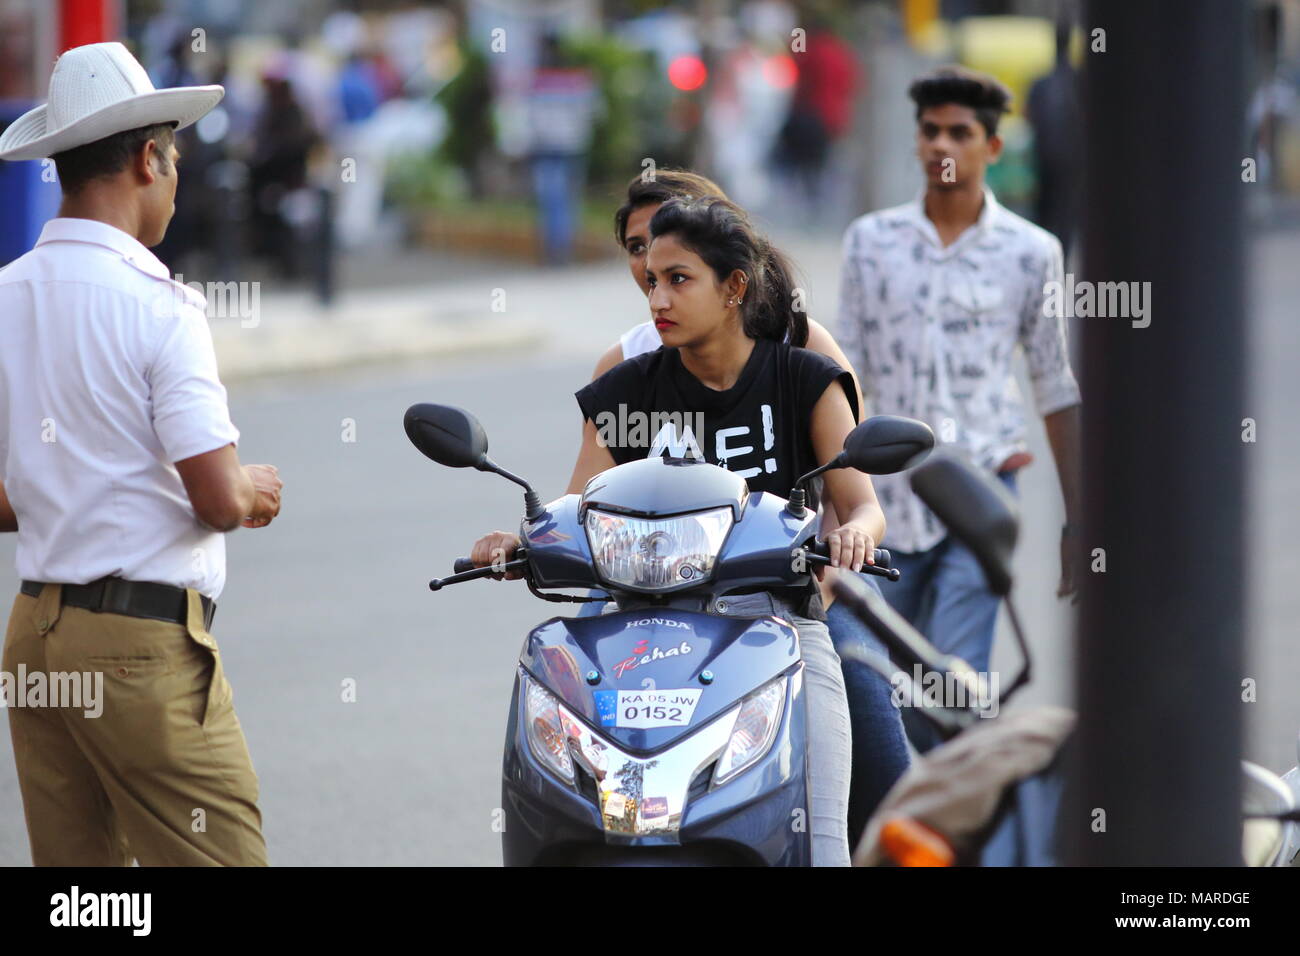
720	297
880	753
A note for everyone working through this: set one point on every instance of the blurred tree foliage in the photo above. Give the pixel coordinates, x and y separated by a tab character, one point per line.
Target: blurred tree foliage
467	99
623	75
630	123
417	181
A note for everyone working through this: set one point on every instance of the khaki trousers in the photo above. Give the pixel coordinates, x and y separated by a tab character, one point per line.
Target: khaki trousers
162	775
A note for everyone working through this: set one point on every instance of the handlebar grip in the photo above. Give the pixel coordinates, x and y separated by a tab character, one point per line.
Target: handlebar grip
462	565
882	557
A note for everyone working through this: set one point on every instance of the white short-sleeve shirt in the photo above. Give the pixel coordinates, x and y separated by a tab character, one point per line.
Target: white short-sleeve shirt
107	377
932	331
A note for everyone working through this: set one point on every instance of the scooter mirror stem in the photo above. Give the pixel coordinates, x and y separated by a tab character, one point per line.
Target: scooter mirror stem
532	503
1025	670
797	505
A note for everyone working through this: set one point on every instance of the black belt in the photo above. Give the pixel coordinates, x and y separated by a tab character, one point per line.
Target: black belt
158	602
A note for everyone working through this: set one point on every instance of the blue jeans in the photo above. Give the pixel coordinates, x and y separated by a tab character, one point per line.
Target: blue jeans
557	185
1028	835
943	595
880	752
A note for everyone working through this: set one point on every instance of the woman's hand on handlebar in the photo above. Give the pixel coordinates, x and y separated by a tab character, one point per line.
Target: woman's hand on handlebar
496	549
849	546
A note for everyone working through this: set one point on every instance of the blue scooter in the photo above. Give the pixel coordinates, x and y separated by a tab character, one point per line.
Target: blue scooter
660	733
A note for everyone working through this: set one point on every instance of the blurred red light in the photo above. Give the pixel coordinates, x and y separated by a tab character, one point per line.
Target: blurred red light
687	73
780	71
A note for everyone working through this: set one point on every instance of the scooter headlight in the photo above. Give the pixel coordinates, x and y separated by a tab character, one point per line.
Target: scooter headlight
657	554
754	730
545	731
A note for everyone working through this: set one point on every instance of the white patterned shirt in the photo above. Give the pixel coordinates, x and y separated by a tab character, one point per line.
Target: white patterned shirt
932	330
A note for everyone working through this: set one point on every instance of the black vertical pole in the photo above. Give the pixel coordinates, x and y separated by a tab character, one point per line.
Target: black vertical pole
1155	774
323	260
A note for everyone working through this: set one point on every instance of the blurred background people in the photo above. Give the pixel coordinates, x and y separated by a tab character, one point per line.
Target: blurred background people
283	135
820	114
561	106
1056	115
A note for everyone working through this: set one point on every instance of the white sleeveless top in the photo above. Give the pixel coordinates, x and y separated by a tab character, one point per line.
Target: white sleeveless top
639	339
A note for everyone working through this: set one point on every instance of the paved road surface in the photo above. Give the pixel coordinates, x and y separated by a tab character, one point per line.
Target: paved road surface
336	588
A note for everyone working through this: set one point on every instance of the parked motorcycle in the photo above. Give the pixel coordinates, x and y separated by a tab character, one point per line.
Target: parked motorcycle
659	733
989	794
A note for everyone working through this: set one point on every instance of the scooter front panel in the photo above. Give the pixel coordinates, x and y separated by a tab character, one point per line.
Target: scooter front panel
644	679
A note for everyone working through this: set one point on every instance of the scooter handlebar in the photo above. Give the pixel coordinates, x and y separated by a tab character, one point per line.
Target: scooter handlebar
820	552
473	573
821	549
882	557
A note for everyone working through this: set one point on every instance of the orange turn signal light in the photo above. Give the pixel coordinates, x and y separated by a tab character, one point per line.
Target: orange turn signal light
911	843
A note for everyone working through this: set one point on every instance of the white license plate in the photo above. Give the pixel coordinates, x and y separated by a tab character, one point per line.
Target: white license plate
656	708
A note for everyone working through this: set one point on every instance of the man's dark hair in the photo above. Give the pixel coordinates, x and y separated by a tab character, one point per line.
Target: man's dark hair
110	155
954	84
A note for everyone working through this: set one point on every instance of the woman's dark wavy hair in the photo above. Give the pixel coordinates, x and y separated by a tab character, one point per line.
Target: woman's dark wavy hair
666	184
720	233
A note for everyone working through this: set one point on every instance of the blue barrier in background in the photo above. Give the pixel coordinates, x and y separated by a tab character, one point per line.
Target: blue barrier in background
25	201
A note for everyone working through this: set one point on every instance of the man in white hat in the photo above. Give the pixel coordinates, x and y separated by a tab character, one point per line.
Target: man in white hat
118	471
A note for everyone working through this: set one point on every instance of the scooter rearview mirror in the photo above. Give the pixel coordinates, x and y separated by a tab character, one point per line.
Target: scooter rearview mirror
450	436
882	445
981	514
976	509
887	444
453	437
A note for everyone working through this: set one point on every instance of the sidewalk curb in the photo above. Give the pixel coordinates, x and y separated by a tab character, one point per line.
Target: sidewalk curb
327	344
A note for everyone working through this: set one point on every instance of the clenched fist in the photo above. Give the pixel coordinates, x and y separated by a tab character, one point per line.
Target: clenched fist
266	487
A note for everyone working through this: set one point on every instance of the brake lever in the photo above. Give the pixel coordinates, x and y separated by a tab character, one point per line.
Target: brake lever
437	584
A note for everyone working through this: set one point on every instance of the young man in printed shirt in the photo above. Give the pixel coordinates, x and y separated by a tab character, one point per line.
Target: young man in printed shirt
936	296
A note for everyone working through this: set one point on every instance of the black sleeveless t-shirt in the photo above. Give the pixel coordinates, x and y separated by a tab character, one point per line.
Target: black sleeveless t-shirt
760	428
